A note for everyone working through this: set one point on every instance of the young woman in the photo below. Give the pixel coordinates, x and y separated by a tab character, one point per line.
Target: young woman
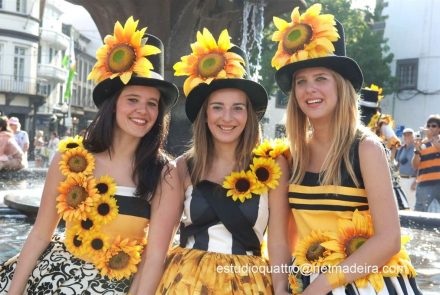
230	192
341	196
111	187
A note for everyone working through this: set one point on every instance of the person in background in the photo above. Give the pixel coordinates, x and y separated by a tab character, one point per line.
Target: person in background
427	160
11	155
340	192
52	145
407	173
382	126
39	149
21	136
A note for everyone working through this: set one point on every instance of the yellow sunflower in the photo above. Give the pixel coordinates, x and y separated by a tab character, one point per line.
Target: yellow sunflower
77	194
264	149
121	259
70	143
399	264
104	209
83	227
106	186
280	146
267	172
310	253
241	185
77	161
308	35
209	60
352	234
295	283
96	244
74	242
123	54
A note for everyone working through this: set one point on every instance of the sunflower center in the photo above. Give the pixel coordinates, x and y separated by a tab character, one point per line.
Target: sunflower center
72	145
119	261
76	196
297	37
121	58
77	163
315	251
262	174
86	224
97	244
102	187
76	241
103	209
242	185
354	243
211	64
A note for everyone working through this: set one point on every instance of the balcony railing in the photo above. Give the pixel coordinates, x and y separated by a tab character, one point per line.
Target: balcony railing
52	72
21	85
57	39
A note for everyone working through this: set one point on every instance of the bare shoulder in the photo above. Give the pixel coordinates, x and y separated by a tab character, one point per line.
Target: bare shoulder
370	146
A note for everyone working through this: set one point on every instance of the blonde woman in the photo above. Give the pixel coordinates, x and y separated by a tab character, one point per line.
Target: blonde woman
231	194
340	193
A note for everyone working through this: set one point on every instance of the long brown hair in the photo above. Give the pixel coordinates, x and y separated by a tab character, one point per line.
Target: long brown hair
344	127
201	151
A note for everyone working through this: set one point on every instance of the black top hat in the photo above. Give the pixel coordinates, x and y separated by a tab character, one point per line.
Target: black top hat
369	98
169	91
339	62
255	91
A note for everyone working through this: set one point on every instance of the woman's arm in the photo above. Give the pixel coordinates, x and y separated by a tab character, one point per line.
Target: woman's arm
385	242
42	231
278	241
166	211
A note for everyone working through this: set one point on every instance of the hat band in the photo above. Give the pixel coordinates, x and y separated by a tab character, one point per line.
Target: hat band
368	104
155	75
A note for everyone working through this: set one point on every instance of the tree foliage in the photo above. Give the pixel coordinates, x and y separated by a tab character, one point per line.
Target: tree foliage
364	43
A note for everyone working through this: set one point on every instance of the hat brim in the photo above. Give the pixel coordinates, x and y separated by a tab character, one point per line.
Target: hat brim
256	93
343	65
109	87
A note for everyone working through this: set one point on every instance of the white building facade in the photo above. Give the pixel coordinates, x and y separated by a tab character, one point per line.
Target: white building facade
413	34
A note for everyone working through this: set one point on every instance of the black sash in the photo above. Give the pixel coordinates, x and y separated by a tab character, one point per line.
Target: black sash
227	213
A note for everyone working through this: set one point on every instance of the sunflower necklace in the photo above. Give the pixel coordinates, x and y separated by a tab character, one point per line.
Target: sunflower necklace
262	175
86	204
324	249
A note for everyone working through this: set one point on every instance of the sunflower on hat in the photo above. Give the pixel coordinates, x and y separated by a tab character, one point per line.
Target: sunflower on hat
123	54
209	60
308	35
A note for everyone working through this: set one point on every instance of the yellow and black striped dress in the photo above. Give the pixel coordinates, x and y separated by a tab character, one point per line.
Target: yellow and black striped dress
318	209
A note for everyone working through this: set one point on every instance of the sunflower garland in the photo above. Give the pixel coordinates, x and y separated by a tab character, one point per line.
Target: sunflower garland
123	54
308	35
209	60
262	175
87	204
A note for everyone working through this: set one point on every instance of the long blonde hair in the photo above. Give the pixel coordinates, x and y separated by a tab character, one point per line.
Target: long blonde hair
344	126
200	154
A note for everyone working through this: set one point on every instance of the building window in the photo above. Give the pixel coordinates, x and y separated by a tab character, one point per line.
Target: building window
281	100
280	131
21	6
1	4
407	73
20	53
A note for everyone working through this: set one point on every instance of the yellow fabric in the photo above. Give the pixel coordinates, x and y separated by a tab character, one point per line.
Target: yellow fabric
328	189
192	271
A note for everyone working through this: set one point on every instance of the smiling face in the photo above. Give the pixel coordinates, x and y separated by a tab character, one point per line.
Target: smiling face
137	109
226	115
316	92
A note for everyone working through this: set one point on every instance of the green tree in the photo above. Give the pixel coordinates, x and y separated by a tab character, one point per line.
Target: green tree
364	43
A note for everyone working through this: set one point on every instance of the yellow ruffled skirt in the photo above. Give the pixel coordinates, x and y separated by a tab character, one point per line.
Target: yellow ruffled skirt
192	271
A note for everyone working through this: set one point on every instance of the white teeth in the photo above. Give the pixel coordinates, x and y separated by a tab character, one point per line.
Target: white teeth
226	128
139	121
314	101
